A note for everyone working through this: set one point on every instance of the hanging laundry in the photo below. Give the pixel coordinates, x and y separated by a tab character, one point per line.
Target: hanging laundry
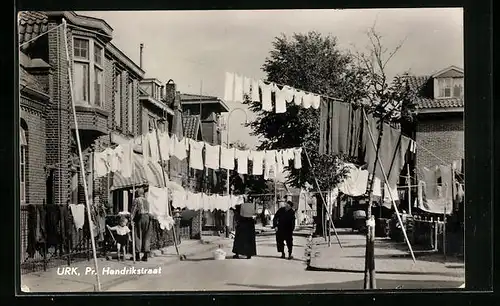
227	157
298	158
247	86
164	146
78	213
355	183
179	147
212	155
267	104
117	159
316	101
433	197
158	205
282	96
229	87
100	164
238	88
280	167
335	127
354	132
298	96
126	167
179	198
191	201
255	91
196	154
270	164
447	185
146	154
377	187
398	161
242	157
257	158
307	100
153	147
388	191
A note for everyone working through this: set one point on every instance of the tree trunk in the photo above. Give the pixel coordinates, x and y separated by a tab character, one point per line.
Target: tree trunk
319	214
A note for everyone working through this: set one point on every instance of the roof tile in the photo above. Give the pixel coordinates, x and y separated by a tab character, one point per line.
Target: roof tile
191	126
31	24
424	88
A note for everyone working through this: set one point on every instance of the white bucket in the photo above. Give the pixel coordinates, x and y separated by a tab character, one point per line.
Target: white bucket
219	254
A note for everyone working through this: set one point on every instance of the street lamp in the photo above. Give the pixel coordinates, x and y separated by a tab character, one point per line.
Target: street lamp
227	145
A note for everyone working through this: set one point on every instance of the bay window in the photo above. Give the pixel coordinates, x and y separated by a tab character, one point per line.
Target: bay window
88	76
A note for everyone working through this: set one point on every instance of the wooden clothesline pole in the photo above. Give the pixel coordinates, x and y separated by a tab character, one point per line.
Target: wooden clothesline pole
80	154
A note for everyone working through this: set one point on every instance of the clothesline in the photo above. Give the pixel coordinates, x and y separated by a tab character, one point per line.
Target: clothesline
440	159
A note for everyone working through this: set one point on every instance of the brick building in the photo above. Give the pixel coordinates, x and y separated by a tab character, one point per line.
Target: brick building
439	126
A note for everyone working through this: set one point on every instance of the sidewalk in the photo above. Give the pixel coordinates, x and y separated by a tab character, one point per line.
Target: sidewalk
390	258
51	281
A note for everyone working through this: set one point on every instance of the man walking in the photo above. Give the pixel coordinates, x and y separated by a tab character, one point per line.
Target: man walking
284	224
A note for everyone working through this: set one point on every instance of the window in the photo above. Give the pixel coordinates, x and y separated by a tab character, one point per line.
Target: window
450	87
118	99
88	73
130	105
22	166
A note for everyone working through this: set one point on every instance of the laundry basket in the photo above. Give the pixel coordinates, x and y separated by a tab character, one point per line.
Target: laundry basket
219	254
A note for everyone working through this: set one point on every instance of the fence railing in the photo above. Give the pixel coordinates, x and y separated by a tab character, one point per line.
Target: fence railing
49	238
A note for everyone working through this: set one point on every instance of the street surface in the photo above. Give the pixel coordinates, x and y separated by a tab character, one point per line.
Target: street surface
267	271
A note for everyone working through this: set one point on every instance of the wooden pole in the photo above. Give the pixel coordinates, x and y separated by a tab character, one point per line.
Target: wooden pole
134	207
82	165
370	234
321	194
408	183
444	233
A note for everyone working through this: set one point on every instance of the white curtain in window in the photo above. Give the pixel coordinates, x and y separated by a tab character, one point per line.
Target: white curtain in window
81	76
98	86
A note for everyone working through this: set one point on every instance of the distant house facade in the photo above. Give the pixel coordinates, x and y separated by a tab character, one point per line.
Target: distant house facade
439	126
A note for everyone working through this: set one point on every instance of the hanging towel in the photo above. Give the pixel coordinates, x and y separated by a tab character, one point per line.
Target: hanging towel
153	147
282	96
117	159
280	167
180	147
78	213
227	157
247	86
238	88
146	154
287	155
316	101
270	164
307	100
267	104
212	155
298	158
196	154
190	201
158	205
179	198
100	164
242	157
355	183
164	146
432	197
255	91
126	167
388	191
229	87
257	158
399	160
298	96
447	186
377	187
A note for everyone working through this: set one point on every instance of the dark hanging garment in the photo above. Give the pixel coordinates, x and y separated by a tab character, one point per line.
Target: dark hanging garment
244	238
36	236
355	129
53	225
324	126
66	227
367	143
344	119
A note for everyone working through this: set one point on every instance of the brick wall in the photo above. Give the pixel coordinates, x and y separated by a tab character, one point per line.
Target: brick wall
443	135
59	115
35	155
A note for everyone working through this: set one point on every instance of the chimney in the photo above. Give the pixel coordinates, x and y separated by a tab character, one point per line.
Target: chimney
170	89
140	55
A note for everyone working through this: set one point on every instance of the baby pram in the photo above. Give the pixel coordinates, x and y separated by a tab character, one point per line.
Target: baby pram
110	243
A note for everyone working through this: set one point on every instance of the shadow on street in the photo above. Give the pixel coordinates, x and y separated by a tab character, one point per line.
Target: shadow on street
394	272
383	284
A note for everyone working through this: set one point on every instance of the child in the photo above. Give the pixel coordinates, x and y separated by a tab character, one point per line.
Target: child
122	236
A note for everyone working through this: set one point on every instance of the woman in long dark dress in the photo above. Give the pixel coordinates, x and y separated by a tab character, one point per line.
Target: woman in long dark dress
244	239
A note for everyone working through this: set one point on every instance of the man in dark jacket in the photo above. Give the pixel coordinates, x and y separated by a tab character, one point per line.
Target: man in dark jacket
284	224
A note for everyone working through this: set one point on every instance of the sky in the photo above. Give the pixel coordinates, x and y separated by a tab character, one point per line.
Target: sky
196	48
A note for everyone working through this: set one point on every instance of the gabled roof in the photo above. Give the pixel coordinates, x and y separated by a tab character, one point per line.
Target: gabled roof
449	70
424	88
191	126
